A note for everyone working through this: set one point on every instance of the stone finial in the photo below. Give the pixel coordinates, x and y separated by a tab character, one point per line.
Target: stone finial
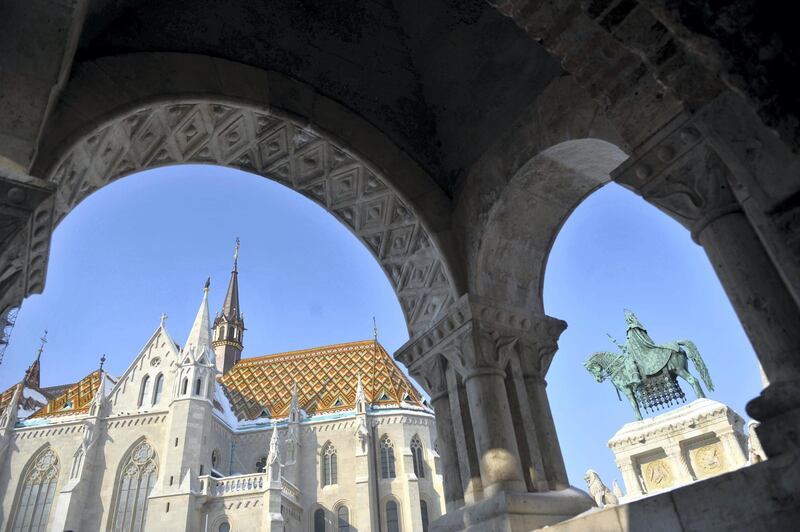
600	493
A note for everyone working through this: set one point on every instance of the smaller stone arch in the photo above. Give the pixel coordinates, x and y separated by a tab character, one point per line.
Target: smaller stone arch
524	221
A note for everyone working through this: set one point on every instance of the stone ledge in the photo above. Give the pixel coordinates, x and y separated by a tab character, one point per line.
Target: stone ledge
514	511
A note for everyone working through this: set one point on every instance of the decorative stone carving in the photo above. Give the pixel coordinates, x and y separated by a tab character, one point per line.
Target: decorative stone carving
657	474
696	441
679	173
501	333
264	142
26	221
599	491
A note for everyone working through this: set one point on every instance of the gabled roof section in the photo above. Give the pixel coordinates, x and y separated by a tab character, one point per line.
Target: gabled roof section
76	399
326	377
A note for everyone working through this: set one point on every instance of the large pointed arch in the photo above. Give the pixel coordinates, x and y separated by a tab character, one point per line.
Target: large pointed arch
363	180
36	491
135	480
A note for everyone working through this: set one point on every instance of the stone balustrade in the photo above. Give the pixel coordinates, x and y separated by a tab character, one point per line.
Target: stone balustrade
233	485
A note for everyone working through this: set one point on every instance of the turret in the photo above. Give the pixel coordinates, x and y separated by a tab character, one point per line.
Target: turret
229	324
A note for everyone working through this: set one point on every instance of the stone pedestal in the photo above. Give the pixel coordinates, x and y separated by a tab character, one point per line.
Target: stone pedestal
700	440
509	511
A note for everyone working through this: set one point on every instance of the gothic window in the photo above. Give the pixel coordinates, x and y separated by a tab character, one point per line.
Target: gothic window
135	484
387	458
329	465
214	458
319	520
261	464
77	461
38	490
343	519
144	391
416	454
423	510
392	519
436	460
197	386
159	387
184	385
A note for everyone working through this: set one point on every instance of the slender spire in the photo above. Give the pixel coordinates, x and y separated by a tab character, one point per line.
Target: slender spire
230	309
361	397
229	323
200	334
32	374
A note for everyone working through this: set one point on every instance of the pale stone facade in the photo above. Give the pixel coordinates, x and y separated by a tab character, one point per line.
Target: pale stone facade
170	415
699	440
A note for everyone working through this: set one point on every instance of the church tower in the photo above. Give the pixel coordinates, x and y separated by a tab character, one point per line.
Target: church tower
229	324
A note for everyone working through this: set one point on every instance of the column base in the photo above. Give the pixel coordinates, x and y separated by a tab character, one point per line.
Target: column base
515	512
778	410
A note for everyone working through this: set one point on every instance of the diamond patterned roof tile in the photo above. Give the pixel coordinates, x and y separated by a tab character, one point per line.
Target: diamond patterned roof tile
324	375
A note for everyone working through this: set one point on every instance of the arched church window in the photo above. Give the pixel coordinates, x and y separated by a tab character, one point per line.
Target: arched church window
319	520
158	388
343	519
214	458
261	464
184	385
423	511
329	472
197	385
77	461
38	489
387	458
135	484
144	391
416	455
392	518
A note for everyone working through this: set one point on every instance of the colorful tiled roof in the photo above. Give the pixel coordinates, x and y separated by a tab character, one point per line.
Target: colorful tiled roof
75	400
326	380
6	396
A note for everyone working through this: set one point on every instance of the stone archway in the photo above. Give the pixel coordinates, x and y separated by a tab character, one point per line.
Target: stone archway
525	220
272	142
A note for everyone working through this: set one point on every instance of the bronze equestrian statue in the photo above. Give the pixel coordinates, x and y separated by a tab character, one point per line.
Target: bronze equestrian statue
646	372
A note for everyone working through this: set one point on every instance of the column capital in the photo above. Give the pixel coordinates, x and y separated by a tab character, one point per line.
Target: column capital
677	170
479	336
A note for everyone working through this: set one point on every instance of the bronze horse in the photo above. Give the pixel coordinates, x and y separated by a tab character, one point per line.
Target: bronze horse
641	359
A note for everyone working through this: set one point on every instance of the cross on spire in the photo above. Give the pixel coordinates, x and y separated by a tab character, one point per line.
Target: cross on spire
41	346
164	318
236	256
102	361
375	329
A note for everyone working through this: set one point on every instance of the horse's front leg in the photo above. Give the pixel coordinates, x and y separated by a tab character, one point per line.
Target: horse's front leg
634	403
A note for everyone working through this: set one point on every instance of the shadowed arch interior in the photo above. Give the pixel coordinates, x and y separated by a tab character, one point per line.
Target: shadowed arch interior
526	218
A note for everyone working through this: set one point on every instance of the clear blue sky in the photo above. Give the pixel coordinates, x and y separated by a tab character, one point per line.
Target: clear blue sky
145	245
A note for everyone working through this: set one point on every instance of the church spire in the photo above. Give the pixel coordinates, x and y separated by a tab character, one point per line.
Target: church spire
229	323
32	373
200	334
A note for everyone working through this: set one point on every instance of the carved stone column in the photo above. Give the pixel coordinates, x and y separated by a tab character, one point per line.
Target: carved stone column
481	355
682	175
493	357
431	374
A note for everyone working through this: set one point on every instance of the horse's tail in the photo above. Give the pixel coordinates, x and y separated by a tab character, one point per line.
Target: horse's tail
697	360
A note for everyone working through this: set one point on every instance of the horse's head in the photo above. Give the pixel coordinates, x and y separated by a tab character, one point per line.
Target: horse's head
595	365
